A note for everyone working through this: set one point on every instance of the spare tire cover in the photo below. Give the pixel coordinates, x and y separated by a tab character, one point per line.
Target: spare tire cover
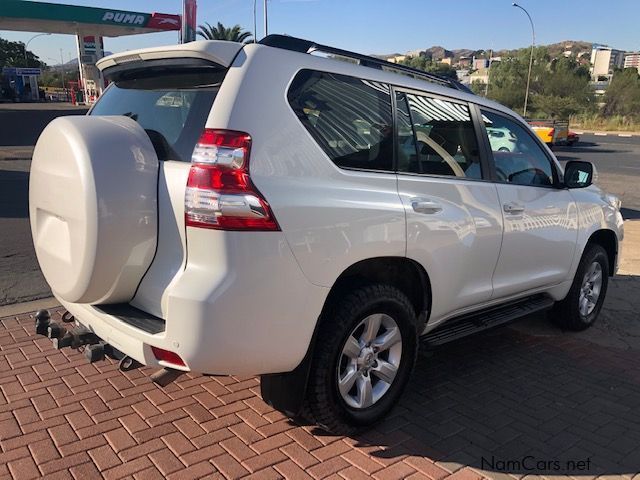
93	207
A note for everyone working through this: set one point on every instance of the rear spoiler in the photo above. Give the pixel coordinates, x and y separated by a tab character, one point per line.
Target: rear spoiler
139	69
220	53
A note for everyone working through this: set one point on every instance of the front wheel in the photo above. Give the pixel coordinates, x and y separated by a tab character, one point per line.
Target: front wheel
363	358
580	309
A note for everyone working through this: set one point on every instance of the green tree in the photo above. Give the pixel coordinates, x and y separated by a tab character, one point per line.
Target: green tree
52	76
623	94
220	32
479	88
426	64
12	55
559	86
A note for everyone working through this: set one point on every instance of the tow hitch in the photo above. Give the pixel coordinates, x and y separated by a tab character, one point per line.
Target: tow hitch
95	348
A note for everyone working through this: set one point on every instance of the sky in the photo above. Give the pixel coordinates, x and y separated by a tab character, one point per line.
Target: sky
383	26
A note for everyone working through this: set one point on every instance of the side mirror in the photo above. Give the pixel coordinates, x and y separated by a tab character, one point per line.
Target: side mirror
578	174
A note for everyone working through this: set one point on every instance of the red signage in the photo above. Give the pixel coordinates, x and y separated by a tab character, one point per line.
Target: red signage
164	21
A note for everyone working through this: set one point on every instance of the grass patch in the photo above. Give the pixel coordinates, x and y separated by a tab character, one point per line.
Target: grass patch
615	123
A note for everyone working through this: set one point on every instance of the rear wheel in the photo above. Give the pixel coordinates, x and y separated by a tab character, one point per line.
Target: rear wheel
580	309
363	359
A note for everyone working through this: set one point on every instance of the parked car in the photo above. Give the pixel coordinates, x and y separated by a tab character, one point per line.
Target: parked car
572	138
551	132
501	139
254	209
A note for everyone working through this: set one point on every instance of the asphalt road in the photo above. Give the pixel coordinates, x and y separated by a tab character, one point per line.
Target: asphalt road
20	126
617	161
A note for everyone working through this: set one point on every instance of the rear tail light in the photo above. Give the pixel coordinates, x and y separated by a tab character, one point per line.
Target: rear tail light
552	132
167	356
219	192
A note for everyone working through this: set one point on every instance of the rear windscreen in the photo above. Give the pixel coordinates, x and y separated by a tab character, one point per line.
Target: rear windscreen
171	105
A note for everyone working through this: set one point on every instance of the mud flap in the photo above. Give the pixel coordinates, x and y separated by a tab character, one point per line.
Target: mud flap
286	391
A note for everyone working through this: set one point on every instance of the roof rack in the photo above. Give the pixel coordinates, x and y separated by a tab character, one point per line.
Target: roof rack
307	46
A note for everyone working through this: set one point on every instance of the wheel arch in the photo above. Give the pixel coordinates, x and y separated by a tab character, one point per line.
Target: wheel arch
608	240
403	273
286	391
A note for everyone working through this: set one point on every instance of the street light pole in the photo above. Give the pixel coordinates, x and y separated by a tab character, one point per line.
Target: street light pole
533	43
266	24
29	41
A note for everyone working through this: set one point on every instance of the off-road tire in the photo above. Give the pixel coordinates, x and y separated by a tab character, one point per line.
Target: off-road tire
323	404
566	313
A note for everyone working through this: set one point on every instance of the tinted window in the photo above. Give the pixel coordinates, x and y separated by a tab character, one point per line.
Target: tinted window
172	108
407	150
348	117
517	157
445	138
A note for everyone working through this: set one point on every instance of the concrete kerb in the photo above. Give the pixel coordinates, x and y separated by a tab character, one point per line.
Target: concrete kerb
26	307
630	257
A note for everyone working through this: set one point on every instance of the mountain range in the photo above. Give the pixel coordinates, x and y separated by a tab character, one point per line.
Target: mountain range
438	52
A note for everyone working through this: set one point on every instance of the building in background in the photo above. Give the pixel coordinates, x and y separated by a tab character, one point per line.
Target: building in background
632	60
464	62
480	63
20	83
604	60
397	58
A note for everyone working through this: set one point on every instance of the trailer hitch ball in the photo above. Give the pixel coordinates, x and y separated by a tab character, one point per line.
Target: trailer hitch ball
43	319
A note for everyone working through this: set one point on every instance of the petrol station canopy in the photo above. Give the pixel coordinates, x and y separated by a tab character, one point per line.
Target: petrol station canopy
29	16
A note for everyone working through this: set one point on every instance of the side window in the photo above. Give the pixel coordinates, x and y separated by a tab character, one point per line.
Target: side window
349	118
445	139
518	158
407	151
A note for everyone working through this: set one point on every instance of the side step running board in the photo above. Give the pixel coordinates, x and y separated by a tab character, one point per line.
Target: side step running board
475	322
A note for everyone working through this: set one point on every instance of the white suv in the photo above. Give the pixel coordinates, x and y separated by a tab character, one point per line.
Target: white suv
258	209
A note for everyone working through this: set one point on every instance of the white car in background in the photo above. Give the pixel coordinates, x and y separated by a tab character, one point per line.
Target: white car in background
501	139
254	209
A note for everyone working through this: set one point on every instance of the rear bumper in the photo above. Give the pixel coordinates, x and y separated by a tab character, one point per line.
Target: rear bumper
242	307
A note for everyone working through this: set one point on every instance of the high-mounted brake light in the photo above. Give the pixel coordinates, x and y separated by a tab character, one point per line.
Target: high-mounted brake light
219	192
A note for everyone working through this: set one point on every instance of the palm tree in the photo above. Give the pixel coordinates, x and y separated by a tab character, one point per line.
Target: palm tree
220	32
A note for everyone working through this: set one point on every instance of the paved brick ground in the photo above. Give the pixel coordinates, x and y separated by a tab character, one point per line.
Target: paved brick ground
475	408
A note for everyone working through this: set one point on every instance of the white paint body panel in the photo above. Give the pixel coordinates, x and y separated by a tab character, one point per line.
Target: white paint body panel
458	245
538	244
248	302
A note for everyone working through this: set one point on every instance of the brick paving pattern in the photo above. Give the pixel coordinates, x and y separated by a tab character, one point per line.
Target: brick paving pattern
475	408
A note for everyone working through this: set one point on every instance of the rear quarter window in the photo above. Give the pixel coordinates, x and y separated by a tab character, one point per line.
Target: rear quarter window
349	118
172	106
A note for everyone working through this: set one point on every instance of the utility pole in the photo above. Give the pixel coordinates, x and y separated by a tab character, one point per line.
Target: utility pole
62	70
486	88
533	43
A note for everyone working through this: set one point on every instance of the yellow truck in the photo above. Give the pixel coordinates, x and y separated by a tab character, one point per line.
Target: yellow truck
552	132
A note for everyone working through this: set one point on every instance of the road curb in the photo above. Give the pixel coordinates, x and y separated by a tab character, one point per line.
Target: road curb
607	134
25	307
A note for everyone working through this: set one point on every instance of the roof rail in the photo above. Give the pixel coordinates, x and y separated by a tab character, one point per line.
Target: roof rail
307	46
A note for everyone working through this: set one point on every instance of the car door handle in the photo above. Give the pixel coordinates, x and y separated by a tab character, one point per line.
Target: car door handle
513	208
422	205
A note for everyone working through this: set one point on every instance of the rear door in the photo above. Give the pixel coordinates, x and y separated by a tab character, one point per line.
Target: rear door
540	217
454	224
171	100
